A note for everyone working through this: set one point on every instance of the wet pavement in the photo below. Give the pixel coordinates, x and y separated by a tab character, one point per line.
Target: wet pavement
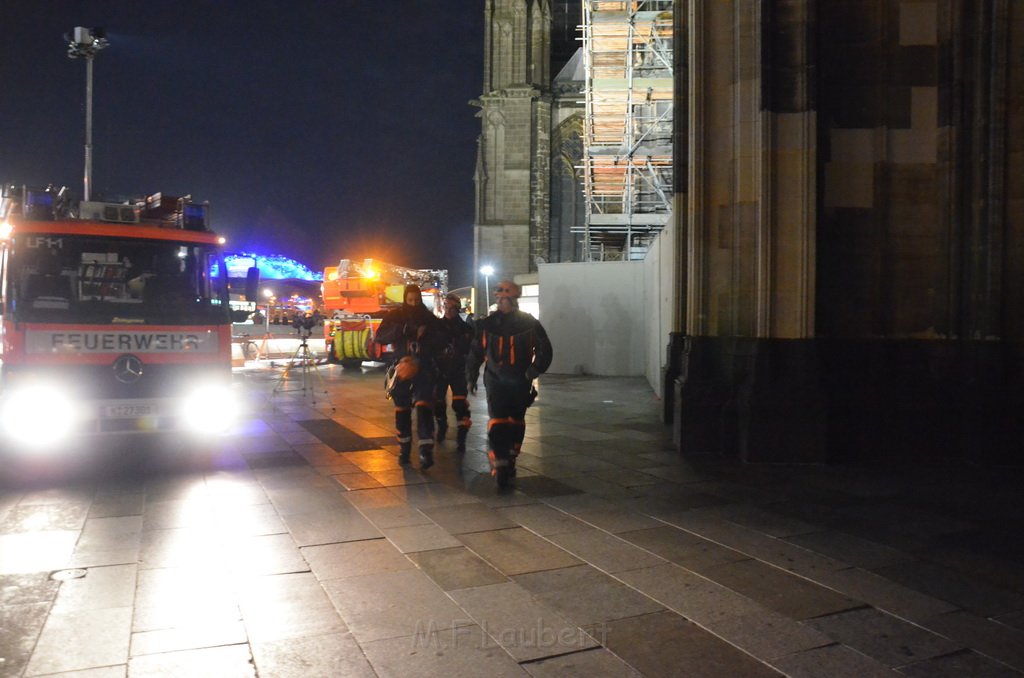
297	546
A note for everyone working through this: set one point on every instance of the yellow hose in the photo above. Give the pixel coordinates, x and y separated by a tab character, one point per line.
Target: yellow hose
351	344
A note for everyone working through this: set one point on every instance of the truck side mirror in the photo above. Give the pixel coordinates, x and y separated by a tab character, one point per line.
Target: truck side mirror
252	283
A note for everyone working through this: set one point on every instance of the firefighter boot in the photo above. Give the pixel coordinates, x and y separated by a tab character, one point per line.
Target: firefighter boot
513	455
500	468
461	446
404	451
442	428
426	457
503	474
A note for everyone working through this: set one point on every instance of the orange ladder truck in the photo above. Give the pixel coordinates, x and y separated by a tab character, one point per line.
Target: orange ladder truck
357	295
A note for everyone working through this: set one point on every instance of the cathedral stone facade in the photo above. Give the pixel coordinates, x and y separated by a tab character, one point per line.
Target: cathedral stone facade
512	220
521	110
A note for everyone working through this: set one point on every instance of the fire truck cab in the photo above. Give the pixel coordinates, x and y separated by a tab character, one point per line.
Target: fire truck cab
114	318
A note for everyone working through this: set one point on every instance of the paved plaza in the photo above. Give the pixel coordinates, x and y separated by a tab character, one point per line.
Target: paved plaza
298	547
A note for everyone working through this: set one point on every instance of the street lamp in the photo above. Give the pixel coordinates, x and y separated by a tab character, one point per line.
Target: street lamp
83	43
488	271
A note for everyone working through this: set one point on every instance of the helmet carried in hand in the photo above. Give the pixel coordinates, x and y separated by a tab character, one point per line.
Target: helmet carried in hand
407	368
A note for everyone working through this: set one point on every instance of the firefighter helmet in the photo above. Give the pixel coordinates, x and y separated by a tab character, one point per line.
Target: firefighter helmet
407	368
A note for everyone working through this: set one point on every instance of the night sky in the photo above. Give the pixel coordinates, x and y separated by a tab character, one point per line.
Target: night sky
316	130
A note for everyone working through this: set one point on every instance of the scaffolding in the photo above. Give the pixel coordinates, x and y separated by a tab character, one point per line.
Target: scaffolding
627	159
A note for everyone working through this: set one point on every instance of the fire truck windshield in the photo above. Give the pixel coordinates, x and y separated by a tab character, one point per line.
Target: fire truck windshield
106	280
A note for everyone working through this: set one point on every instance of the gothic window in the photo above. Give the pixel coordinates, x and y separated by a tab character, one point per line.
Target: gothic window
567	204
537	49
502	57
520	49
494	154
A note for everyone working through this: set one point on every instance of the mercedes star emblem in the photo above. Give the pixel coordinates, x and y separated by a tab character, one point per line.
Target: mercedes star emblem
127	369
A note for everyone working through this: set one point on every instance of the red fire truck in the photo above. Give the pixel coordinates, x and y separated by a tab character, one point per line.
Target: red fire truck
115	317
357	295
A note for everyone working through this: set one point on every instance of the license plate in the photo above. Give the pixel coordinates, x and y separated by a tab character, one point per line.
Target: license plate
123	411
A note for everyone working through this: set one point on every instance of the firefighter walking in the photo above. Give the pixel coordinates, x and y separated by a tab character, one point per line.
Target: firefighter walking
514	350
414	333
452	374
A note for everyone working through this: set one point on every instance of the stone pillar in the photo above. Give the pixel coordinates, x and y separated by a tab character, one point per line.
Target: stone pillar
855	231
750	232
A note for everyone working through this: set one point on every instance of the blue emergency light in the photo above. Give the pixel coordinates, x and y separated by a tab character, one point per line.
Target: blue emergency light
38	205
193	217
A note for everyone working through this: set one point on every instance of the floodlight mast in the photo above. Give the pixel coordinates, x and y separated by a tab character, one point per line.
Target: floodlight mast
83	43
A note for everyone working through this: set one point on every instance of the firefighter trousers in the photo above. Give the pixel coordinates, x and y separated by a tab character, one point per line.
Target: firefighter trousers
418	394
456	381
507	401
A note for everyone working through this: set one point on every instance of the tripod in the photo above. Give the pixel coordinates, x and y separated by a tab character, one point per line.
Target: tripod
310	380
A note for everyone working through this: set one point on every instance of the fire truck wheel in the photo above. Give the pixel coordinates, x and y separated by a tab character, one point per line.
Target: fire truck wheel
351	363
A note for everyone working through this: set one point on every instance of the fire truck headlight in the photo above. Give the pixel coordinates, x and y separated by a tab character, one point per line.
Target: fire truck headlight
38	415
210	408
